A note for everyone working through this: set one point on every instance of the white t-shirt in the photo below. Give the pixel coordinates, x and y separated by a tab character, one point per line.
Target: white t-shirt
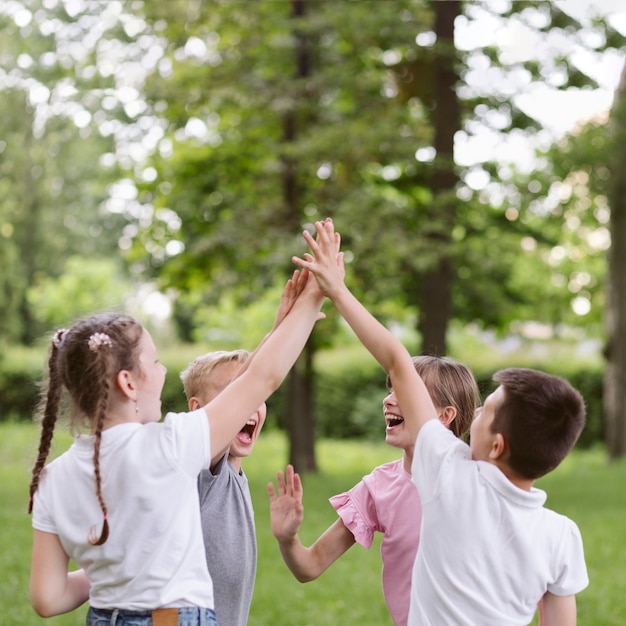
154	556
488	551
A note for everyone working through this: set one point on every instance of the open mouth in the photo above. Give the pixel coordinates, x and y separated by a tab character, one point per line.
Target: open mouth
246	434
393	420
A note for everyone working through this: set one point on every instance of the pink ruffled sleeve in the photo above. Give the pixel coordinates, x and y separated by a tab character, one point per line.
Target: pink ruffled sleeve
358	513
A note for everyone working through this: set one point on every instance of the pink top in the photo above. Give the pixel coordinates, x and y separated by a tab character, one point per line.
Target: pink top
386	501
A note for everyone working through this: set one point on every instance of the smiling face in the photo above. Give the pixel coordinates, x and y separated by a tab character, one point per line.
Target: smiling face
396	432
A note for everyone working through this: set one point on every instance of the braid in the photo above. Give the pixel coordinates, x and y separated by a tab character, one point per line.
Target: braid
50	411
85	360
103	361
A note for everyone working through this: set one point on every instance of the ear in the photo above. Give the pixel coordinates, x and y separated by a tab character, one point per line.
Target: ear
498	447
126	384
194	403
447	416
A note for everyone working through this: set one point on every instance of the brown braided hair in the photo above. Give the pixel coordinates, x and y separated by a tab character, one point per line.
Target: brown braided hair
87	370
50	411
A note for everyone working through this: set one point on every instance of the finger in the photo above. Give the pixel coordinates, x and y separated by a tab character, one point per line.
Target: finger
289	480
301	262
297	487
326	235
309	238
270	492
280	479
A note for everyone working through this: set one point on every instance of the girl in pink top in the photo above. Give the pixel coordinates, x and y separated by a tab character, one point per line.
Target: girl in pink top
384	501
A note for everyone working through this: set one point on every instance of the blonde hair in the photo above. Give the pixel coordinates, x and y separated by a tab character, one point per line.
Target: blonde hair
196	376
449	383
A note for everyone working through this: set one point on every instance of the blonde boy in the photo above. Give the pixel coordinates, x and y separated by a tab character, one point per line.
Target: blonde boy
225	504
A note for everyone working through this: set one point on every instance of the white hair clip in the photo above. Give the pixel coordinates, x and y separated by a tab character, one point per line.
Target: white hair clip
97	340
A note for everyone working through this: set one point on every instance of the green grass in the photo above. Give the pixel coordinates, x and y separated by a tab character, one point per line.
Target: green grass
585	488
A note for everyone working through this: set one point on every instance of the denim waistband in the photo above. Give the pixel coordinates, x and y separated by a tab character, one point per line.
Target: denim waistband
187	616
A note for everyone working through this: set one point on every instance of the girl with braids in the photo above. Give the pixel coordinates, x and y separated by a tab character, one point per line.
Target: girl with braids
122	502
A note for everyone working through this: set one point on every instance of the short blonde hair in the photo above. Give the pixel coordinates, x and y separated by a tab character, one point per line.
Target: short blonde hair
196	376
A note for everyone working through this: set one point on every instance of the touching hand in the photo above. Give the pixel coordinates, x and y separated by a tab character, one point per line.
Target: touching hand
293	288
326	262
286	510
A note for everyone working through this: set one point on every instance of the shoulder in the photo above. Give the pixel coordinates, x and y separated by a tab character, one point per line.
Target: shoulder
387	479
386	471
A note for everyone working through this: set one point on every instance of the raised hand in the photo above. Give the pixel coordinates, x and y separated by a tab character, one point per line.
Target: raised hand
326	262
286	510
293	288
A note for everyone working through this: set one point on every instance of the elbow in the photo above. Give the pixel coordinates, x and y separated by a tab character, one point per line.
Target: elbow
42	608
44	604
305	578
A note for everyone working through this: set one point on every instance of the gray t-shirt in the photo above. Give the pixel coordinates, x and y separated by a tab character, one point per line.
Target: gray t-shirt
229	540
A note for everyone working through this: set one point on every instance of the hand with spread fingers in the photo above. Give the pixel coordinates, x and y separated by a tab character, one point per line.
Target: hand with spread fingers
325	261
286	510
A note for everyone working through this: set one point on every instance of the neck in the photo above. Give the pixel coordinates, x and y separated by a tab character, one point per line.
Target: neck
519	481
235	461
408	460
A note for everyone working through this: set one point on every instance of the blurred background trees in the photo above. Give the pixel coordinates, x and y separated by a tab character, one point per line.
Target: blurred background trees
186	144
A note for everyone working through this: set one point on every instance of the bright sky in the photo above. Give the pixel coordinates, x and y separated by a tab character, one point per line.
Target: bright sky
558	111
566	110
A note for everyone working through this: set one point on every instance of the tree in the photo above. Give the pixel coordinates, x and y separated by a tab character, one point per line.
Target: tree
492	229
262	149
365	135
615	374
51	153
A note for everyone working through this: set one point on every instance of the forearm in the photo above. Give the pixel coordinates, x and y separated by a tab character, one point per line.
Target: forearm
230	409
49	601
301	560
307	564
413	397
279	350
379	341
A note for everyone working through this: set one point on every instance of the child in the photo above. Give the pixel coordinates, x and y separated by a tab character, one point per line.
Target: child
225	505
385	501
509	552
122	502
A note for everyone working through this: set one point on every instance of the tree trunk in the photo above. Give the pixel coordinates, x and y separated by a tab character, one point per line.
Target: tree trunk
31	217
615	372
435	292
300	410
300	418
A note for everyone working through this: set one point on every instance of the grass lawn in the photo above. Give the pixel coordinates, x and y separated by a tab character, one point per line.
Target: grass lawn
584	488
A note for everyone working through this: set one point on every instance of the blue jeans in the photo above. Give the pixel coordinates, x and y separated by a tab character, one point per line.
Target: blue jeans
187	616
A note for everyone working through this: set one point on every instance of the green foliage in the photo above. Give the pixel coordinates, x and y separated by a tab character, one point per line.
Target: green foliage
50	153
86	285
20	372
350	386
285	93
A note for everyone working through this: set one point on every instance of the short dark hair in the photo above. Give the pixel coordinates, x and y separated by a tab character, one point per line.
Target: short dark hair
541	417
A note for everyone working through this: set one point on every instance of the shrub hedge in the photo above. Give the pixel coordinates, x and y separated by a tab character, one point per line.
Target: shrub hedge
348	398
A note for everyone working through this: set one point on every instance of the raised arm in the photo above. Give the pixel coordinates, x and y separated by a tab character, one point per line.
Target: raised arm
286	515
274	357
327	267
